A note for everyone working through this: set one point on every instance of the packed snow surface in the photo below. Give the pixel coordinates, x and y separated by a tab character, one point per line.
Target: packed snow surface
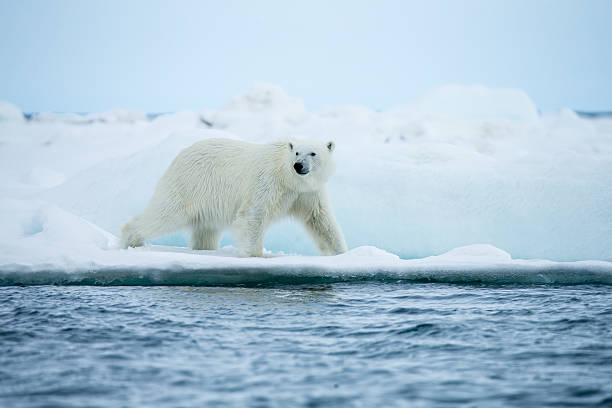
462	172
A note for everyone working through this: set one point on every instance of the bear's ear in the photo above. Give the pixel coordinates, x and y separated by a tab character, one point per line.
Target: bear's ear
290	146
331	146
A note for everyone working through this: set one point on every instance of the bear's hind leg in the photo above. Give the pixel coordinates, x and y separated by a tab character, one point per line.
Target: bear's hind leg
249	234
149	224
205	238
130	237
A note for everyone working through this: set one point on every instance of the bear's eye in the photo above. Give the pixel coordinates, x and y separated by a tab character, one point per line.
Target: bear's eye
296	153
313	154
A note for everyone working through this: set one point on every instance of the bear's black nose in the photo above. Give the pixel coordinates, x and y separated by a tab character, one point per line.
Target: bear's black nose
298	167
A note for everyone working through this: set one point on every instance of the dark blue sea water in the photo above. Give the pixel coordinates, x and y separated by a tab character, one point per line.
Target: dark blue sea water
362	344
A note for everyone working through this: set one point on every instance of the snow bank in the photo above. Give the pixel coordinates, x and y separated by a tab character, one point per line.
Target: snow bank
118	116
9	112
478	102
68	118
474	253
460	167
265	112
112	116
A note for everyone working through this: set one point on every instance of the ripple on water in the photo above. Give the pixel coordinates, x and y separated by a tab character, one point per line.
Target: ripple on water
357	344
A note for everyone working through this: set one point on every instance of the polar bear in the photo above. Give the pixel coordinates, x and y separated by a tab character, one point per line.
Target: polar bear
216	184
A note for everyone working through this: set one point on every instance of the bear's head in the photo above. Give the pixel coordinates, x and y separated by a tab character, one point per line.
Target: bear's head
310	163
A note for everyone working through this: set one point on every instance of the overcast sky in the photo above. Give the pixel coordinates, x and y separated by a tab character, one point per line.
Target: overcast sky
157	56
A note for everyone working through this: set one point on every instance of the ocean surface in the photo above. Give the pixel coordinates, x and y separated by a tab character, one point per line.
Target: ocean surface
361	344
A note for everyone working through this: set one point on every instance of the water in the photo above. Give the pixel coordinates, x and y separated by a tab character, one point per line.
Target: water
343	344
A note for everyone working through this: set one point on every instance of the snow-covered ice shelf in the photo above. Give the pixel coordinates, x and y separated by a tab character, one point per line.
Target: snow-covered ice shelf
154	265
465	165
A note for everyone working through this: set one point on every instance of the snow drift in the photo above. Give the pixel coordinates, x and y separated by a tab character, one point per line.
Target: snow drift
9	112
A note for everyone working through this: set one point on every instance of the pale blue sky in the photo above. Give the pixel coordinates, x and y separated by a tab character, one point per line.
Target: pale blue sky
173	55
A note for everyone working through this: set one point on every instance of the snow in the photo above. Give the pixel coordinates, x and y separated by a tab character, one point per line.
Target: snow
9	112
112	116
428	191
479	102
474	253
44	177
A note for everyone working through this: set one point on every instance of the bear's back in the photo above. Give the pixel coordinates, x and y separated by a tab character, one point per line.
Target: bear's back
213	177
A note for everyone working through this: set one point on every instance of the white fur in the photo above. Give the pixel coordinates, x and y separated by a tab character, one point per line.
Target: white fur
220	183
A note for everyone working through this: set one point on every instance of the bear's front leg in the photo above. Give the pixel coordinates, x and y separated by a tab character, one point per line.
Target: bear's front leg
249	235
326	232
315	211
